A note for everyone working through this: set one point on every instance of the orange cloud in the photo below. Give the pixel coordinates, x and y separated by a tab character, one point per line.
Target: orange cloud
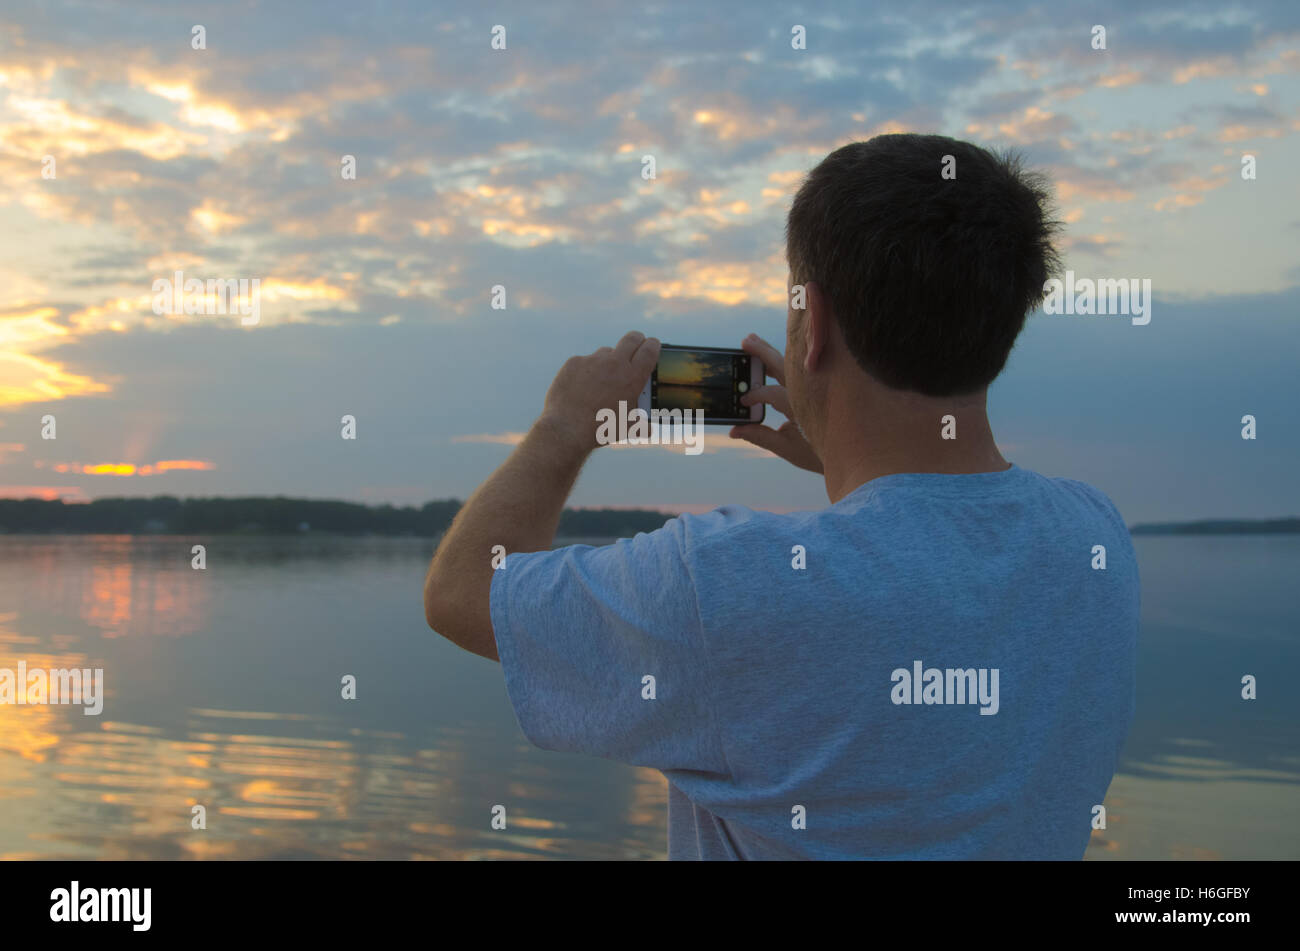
25	378
738	120
1097	190
27	326
1033	125
46	492
167	465
1240	131
54	127
130	469
273	289
722	282
1102	244
215	220
1189	192
1206	69
1128	78
502	439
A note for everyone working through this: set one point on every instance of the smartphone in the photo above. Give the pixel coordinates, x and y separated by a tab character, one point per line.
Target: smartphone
712	379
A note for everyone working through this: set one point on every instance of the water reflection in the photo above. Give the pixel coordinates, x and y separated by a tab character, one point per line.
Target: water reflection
302	774
277	787
222	690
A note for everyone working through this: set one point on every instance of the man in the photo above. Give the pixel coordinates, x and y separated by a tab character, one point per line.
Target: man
940	664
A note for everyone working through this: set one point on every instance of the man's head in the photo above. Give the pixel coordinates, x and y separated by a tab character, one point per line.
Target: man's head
922	256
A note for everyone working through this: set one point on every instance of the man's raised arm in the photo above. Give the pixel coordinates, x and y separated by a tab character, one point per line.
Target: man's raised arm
519	506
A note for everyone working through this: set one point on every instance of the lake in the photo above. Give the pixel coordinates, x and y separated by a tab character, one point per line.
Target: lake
223	689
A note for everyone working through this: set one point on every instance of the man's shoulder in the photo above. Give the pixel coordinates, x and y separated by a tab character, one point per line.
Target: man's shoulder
729	524
1088	496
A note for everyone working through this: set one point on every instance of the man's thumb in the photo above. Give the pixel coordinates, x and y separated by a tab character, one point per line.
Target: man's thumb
755	433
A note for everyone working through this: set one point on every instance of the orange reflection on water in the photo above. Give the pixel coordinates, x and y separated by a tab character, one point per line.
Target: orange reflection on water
160	599
649	799
107	601
30	730
114	789
123	790
27	731
271	784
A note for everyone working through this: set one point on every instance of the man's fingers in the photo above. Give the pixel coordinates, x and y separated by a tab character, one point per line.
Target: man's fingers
764	437
774	396
786	442
629	344
756	433
773	362
645	357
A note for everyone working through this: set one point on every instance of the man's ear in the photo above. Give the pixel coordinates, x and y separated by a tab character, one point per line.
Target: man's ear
816	326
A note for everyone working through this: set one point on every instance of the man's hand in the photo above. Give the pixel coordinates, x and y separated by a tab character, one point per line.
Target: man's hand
519	506
586	385
786	441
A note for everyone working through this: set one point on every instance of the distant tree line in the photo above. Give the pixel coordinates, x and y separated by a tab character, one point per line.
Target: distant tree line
278	515
1260	526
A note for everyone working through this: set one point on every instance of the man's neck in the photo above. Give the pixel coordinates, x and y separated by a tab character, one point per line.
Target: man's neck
880	432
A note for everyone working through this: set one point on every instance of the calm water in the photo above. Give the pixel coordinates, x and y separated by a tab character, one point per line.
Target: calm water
223	689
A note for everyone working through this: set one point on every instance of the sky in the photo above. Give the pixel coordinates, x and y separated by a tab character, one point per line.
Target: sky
128	154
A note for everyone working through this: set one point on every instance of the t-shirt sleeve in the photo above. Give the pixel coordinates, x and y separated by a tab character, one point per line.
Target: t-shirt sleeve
603	652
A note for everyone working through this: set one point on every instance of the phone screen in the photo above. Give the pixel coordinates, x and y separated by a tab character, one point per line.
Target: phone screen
712	380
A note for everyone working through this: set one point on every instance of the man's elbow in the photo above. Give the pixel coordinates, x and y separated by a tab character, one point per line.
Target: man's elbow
434	602
452	613
443	612
430	613
435	605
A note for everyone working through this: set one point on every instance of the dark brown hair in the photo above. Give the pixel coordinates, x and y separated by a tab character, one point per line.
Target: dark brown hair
929	278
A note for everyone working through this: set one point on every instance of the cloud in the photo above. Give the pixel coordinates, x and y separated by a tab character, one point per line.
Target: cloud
131	468
26	378
522	168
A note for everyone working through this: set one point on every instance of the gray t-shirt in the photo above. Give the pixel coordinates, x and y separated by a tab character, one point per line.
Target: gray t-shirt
934	667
